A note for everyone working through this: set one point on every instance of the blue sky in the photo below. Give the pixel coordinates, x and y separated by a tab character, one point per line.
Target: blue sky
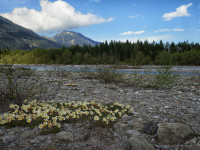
100	20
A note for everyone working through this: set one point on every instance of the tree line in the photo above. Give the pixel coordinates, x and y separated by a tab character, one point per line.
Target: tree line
114	52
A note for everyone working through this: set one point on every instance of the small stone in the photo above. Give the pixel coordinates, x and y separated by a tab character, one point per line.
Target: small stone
131	122
16	129
156	117
66	125
11	133
9	130
85	136
125	116
29	134
132	132
35	141
192	141
93	140
179	92
149	91
198	145
121	91
119	127
48	141
140	119
166	107
133	113
150	128
163	147
49	147
64	135
9	139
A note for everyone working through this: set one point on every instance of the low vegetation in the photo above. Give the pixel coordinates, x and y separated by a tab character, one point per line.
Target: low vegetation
49	115
106	74
18	84
164	77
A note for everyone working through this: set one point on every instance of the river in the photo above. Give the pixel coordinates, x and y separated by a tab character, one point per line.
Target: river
178	70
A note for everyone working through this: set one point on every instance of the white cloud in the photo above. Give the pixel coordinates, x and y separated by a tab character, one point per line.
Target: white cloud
97	1
178	29
168	30
139	32
143	38
180	12
57	15
157	38
131	32
134	16
164	38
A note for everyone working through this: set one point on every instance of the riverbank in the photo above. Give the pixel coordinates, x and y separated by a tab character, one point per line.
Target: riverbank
178	104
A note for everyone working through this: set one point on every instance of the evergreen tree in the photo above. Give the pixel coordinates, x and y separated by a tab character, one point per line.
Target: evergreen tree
172	48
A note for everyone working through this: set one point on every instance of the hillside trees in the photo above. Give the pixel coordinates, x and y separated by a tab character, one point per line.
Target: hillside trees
114	52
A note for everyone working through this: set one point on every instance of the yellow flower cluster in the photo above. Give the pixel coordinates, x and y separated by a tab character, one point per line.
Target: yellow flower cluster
70	84
52	113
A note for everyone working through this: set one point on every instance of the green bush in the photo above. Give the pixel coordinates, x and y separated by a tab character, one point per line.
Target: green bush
109	74
166	77
106	74
18	84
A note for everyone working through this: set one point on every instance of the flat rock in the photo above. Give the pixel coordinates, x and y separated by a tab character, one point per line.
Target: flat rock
119	127
64	135
29	134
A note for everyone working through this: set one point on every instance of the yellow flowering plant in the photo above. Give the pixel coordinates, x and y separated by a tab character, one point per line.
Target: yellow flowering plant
49	115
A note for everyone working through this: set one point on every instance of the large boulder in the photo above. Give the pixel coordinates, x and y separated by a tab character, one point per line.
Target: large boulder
64	135
137	142
173	133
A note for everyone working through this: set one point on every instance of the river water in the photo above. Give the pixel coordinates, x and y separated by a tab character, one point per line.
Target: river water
178	70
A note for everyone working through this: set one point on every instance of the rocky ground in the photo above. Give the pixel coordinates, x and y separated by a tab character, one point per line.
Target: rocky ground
163	118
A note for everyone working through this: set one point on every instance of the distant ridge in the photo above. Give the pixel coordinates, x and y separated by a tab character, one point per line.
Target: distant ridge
69	38
13	36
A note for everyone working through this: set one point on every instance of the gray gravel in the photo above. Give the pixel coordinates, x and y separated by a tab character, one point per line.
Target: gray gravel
179	104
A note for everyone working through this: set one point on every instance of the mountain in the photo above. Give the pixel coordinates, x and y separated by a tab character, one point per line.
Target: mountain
13	36
69	38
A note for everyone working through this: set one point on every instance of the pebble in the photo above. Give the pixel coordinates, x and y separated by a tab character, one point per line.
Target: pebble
163	147
166	107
